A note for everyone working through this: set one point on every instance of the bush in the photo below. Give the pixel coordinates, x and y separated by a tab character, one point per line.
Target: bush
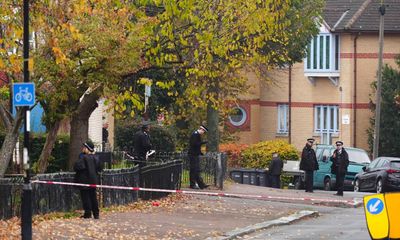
234	152
259	155
58	160
161	138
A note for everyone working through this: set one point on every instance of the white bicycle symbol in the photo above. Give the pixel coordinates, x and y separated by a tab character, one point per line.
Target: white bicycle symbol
23	94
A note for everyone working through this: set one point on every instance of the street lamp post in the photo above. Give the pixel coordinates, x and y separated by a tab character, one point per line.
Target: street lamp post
379	84
26	205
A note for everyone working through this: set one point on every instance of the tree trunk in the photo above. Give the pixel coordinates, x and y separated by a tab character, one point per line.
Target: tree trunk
213	130
9	142
51	138
78	135
80	126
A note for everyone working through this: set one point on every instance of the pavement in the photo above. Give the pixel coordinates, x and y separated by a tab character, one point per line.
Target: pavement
213	217
331	224
319	197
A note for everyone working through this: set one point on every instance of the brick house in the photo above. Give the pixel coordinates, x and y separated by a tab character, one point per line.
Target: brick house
327	96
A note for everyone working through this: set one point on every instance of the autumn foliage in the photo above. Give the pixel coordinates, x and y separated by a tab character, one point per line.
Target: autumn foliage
259	155
234	152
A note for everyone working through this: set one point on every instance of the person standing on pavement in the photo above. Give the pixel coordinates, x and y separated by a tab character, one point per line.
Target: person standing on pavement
275	170
142	144
340	160
87	169
194	153
309	164
105	136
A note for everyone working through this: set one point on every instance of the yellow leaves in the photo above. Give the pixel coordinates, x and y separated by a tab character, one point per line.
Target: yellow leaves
30	65
165	85
2	65
145	81
18	33
16	63
59	55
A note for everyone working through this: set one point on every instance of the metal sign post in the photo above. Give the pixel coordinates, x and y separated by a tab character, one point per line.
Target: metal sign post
24	95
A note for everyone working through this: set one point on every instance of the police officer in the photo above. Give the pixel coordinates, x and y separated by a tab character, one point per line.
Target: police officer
340	160
275	170
309	164
142	144
194	158
87	169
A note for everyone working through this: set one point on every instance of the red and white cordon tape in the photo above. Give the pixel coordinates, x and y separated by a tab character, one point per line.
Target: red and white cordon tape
219	194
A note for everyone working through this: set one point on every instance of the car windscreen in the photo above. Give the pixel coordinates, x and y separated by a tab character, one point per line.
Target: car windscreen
358	156
395	164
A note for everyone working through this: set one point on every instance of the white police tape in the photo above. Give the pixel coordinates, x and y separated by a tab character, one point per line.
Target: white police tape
219	194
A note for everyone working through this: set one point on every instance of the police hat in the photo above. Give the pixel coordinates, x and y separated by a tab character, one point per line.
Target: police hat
89	145
145	124
311	140
339	142
204	128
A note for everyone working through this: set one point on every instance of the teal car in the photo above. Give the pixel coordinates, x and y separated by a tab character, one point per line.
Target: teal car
323	178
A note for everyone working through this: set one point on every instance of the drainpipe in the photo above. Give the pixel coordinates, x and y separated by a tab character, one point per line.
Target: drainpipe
290	104
355	91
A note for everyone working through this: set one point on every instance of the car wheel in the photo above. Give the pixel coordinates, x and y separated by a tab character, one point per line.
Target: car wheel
379	186
357	185
327	184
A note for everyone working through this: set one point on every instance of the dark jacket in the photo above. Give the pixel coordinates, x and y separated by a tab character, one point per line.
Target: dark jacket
340	162
141	144
87	169
308	159
195	144
275	167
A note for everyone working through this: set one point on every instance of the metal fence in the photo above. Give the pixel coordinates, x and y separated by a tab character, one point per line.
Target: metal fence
162	176
213	166
57	198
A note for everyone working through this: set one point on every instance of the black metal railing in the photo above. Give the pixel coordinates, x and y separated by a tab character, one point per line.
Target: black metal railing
213	166
58	198
10	197
162	176
119	177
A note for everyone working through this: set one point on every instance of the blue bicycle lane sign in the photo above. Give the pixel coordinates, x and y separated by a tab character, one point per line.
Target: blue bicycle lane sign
23	94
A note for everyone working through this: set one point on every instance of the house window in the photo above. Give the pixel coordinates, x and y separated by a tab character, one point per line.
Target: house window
283	119
326	119
238	117
323	54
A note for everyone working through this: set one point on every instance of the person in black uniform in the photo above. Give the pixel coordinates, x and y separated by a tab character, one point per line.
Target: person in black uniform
309	164
105	136
340	160
142	144
87	169
194	158
275	170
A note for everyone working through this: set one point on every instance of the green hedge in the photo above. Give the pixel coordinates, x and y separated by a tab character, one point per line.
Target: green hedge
59	158
162	138
259	155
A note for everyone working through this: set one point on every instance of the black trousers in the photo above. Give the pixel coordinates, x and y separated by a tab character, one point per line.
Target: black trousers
340	182
89	202
276	181
195	172
309	179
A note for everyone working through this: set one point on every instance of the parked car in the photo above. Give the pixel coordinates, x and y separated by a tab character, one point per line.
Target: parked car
382	175
323	178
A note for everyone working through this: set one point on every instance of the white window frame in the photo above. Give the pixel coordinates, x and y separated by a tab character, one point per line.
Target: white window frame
283	114
334	56
242	121
325	112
